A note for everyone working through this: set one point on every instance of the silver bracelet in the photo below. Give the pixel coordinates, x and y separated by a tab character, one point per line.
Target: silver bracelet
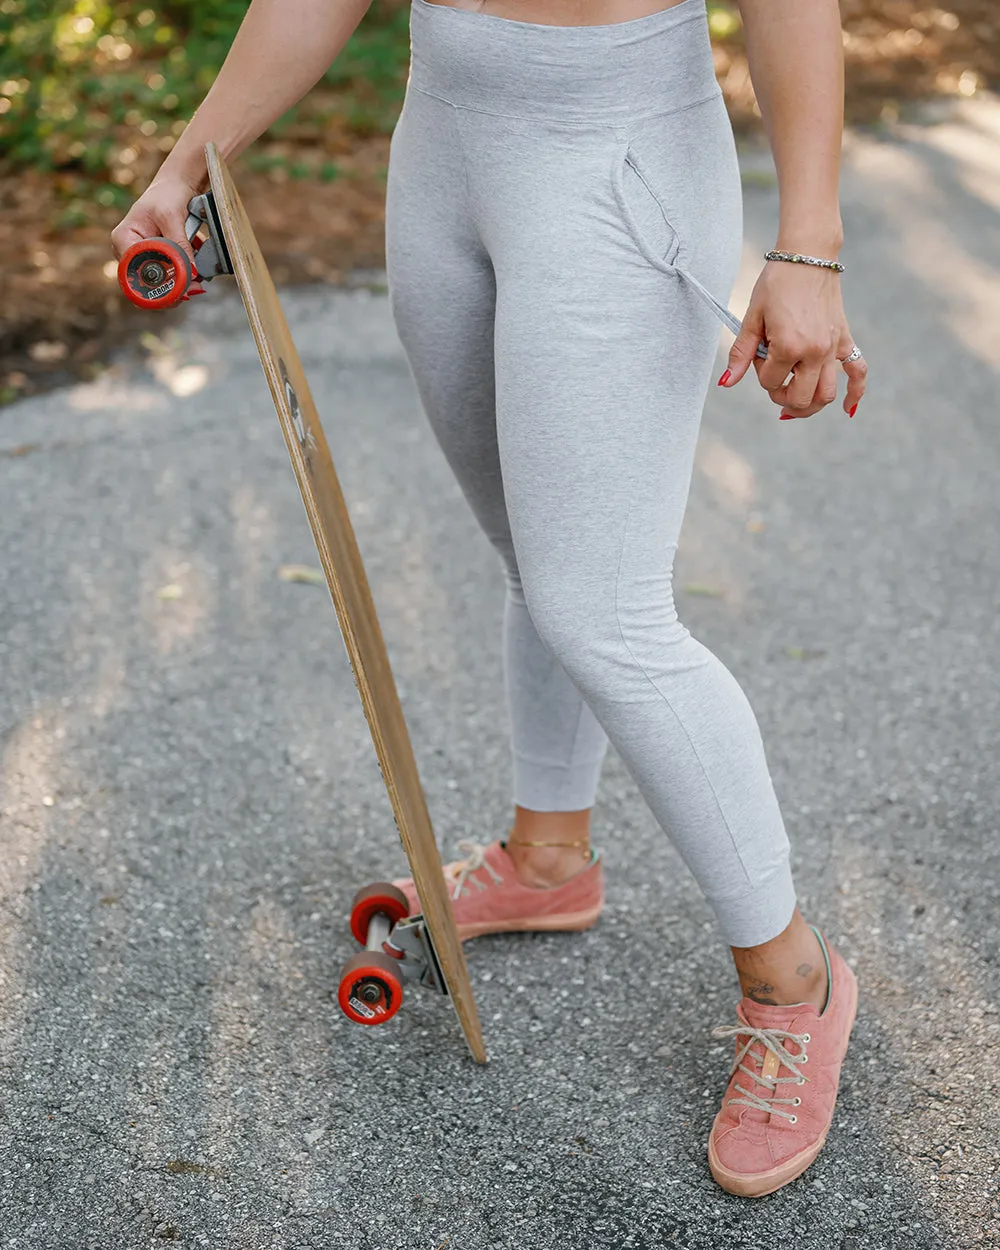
797	258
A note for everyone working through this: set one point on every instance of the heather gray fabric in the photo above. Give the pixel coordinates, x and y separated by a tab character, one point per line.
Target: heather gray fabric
563	226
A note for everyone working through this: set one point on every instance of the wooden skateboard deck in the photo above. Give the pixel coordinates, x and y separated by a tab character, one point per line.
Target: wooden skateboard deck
348	583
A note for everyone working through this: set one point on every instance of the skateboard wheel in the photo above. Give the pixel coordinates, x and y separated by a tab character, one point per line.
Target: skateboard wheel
155	273
378	897
370	990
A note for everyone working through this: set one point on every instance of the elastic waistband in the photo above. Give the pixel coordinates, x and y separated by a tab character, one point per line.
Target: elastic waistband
611	74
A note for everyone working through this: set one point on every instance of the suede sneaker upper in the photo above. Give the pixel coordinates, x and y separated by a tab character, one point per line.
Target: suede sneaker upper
782	1090
487	896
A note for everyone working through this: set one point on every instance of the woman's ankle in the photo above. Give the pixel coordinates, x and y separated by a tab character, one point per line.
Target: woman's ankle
788	969
548	848
545	866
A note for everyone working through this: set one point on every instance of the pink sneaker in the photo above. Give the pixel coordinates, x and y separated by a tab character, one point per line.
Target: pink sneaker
487	897
778	1105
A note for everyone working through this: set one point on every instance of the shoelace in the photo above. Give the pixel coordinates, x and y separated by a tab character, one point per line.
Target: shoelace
476	853
769	1038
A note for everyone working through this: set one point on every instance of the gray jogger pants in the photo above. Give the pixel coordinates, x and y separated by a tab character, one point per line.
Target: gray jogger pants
563	224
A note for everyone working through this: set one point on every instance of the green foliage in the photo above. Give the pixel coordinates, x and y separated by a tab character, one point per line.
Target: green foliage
82	80
90	87
723	19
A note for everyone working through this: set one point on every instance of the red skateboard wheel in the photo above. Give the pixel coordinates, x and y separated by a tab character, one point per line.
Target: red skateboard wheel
370	990
379	896
155	273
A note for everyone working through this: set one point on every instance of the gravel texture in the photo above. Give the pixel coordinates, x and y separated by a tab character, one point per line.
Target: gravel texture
189	795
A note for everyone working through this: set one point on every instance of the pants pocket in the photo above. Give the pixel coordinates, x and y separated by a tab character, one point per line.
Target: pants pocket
649	222
655	231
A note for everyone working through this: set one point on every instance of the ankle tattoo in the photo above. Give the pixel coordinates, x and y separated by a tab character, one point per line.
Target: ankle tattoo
759	991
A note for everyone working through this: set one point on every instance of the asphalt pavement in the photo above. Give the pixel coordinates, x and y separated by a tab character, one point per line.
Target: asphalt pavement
189	795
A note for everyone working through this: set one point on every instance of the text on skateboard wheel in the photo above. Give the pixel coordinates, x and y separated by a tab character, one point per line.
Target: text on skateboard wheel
155	273
370	988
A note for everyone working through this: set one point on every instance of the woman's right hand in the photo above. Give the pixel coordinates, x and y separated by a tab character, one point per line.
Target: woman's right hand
160	212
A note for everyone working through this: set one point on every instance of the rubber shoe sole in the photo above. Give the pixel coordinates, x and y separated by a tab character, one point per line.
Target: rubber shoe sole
573	922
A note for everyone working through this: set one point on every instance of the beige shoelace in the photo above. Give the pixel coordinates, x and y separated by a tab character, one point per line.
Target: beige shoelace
770	1039
464	870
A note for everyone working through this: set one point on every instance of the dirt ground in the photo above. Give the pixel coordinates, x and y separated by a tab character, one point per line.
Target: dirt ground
60	308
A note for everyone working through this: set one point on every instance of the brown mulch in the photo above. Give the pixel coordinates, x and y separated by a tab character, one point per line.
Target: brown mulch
60	309
896	52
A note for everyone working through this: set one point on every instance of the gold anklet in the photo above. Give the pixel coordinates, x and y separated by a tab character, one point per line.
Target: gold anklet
585	843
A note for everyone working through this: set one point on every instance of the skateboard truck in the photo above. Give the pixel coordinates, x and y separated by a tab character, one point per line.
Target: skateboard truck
398	948
157	273
212	254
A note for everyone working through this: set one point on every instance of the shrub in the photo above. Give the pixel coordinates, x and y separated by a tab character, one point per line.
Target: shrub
79	78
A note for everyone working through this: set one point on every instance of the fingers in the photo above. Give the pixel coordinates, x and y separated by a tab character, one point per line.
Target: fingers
777	372
800	393
809	353
857	374
806	336
142	223
856	370
743	352
800	375
175	230
824	392
122	238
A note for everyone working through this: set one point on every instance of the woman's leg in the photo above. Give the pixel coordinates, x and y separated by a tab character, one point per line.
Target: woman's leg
443	297
602	177
602	364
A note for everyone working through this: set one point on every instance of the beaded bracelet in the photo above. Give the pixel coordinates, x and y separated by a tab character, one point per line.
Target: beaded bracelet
797	258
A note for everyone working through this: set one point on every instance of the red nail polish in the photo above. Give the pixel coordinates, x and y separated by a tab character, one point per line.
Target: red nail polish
854	409
787	416
725	377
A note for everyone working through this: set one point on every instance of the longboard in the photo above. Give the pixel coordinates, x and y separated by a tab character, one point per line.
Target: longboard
238	252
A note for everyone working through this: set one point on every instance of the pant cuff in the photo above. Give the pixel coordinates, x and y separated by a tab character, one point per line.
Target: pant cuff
761	915
555	787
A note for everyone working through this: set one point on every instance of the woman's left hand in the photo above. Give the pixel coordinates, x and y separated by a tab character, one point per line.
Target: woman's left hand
797	310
